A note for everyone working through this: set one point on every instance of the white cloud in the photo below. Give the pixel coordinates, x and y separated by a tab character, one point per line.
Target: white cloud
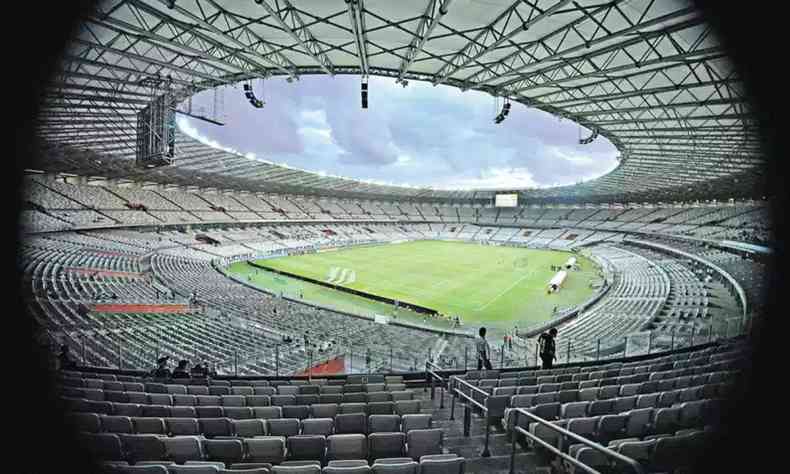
493	178
421	135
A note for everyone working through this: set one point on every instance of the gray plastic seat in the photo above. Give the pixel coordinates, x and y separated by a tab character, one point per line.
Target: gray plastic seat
181	449
410	467
287	390
209	412
184	400
160	399
666	420
422	442
310	389
611	427
362	469
269	449
141	398
182	426
384	445
581	426
283	426
381	408
527	390
623	404
233	400
267	413
638	422
356	397
197	390
353	387
347	446
647	401
574	409
307	399
143	447
667	399
637	450
350	423
421	421
209	400
600	407
152	469
249	428
102	446
401	395
211	427
299	412
442	464
333	398
384	423
378	397
309	469
408	407
218	390
87	422
127	409
318	426
282	400
345	408
154	411
149	425
117	424
306	447
323	410
194	469
237	413
258	401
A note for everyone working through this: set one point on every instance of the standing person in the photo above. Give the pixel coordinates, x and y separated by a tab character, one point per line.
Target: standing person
65	360
548	349
483	351
161	371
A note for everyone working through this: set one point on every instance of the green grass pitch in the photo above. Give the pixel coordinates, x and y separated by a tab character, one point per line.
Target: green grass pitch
496	286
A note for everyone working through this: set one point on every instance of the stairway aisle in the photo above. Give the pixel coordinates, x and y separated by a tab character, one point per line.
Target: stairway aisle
471	447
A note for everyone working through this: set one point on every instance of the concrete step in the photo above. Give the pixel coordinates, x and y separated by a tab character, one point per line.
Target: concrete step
500	464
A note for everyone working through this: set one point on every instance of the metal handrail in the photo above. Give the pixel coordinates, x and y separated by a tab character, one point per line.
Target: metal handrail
468	412
429	369
637	468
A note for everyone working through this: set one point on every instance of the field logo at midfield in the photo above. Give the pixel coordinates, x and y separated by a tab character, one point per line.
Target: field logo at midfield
341	276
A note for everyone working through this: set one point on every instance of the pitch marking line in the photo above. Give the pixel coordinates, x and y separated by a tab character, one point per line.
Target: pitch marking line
505	290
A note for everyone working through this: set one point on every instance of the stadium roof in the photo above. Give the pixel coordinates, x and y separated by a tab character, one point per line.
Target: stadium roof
648	75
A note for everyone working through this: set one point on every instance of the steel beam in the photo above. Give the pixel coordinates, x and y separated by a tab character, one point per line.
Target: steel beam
290	21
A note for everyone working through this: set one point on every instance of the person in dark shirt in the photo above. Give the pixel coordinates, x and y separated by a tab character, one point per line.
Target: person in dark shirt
66	362
197	370
182	371
548	349
161	371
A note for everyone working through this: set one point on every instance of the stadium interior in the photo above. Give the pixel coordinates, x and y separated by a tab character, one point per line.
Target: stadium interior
141	242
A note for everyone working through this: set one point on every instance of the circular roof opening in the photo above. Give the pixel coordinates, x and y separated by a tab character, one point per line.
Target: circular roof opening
419	135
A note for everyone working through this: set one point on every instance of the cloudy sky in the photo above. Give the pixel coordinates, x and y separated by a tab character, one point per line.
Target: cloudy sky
420	135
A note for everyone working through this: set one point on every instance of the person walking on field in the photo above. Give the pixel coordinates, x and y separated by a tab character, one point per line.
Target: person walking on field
548	348
483	351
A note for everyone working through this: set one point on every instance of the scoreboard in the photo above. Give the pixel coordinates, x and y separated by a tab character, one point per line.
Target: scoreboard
506	200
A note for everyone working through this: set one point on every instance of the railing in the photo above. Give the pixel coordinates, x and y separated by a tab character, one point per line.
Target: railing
517	412
571	350
430	371
456	392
